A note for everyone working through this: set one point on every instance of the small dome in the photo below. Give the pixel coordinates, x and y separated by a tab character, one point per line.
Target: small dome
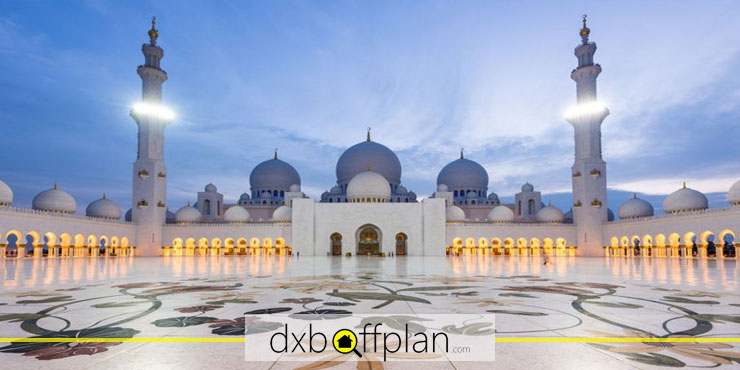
55	200
550	214
501	214
282	213
128	216
609	215
684	199
325	195
335	190
187	214
471	195
412	196
463	174
266	195
568	216
210	188
379	157
634	208
370	185
236	214
103	208
295	188
273	174
527	188
6	195
442	187
244	197
733	195
455	213
401	190
169	217
493	197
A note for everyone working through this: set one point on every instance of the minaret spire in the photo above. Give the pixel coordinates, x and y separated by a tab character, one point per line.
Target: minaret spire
589	192
153	33
276	153
461	153
368	134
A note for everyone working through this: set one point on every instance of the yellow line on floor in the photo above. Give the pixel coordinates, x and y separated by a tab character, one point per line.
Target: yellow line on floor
498	340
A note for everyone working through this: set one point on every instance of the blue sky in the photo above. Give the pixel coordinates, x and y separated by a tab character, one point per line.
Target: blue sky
309	76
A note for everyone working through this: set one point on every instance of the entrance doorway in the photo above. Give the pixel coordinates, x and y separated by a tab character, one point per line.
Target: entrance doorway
401	243
336	244
368	241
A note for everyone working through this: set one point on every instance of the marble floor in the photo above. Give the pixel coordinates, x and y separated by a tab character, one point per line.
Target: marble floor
203	297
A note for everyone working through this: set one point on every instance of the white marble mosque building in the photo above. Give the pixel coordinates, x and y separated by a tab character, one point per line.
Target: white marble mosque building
368	210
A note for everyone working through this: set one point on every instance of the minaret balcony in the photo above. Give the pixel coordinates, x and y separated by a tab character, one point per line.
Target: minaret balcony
595	173
160	204
596	203
162	175
577	174
577	204
142	204
143	174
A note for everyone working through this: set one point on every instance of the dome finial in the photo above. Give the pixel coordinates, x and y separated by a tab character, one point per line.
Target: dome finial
103	195
55	185
368	133
585	31
461	153
153	33
368	167
276	149
684	184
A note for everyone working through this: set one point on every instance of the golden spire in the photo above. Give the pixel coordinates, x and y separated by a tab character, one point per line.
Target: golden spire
461	153
153	33
368	134
368	167
585	31
55	185
684	184
275	153
103	195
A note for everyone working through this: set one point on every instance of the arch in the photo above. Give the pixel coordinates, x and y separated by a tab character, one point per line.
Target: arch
647	240
51	239
103	240
674	240
548	242
660	240
624	241
561	243
190	243
483	242
534	243
267	242
369	239
92	241
124	242
705	237
614	241
521	242
35	236
402	244
203	243
689	238
114	241
280	242
496	242
469	243
335	243
635	240
508	242
177	243
13	232
216	243
723	234
229	242
207	206
79	240
457	242
254	243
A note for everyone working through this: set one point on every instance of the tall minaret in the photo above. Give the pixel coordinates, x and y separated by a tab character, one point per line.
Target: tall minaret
589	169
150	173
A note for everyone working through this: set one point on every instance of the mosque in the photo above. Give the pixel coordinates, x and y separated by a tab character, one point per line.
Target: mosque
369	211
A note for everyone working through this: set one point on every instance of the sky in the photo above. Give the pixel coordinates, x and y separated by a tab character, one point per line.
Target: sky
429	77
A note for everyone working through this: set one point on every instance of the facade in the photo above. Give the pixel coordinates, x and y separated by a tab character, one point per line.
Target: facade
368	211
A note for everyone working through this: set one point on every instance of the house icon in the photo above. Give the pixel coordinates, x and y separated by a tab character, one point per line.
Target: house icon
344	342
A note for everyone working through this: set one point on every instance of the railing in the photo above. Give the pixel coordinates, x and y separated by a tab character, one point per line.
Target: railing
21	251
730	208
60	214
680	251
225	224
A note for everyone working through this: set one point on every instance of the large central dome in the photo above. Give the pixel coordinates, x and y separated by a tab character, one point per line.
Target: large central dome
463	174
357	158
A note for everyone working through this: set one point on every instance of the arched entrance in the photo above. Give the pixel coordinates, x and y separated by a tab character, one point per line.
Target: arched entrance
336	244
368	241
401	243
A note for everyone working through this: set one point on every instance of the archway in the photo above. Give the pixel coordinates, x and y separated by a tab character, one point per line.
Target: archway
401	244
368	240
336	244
